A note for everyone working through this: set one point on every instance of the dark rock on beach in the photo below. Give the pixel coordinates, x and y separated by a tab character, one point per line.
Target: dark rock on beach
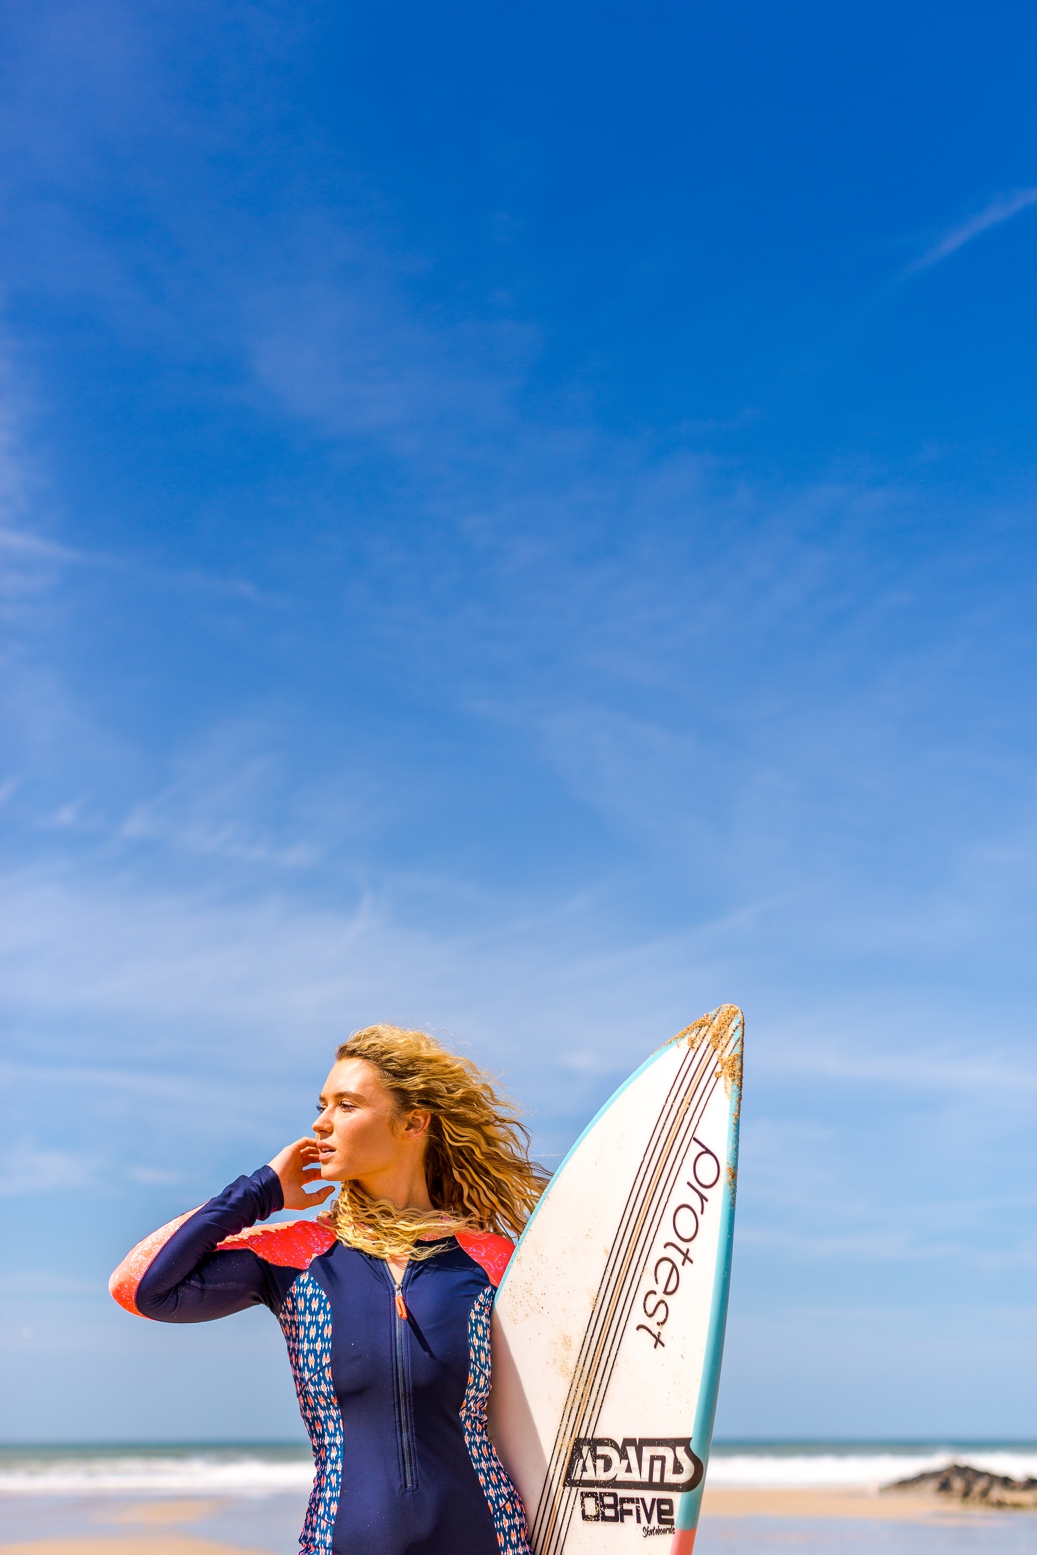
961	1483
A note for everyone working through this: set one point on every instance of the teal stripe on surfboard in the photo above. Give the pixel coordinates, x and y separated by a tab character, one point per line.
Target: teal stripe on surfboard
690	1503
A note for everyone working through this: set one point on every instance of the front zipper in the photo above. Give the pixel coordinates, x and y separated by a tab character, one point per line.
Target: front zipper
403	1398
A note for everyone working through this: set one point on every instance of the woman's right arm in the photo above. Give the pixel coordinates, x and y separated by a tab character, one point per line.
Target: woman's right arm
179	1277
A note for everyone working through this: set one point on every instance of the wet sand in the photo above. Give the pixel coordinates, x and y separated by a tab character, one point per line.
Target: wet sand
151	1544
117	1526
831	1503
166	1516
734	1522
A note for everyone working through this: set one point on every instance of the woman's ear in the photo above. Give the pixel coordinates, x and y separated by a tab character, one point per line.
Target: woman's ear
416	1124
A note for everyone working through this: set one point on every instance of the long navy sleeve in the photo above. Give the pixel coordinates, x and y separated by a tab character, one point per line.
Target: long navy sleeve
189	1282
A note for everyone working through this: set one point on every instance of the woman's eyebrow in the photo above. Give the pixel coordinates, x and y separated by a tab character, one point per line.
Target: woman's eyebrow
322	1100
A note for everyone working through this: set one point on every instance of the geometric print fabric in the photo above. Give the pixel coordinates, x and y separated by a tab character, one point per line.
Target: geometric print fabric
306	1321
509	1518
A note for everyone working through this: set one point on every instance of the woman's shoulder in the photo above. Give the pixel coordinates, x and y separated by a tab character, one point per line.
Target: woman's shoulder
491	1252
293	1244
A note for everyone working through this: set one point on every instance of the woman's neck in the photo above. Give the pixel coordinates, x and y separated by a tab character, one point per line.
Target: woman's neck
403	1184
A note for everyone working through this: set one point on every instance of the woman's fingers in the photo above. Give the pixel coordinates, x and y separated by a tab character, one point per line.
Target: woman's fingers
293	1165
298	1168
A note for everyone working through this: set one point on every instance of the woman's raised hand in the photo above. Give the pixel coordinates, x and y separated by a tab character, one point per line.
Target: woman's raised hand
296	1166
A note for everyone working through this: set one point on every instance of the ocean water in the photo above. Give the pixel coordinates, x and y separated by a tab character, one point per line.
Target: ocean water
247	1470
188	1469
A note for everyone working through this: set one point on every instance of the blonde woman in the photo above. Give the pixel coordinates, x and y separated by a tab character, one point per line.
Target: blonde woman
384	1301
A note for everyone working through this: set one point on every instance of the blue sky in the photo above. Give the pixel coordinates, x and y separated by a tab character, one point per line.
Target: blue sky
522	522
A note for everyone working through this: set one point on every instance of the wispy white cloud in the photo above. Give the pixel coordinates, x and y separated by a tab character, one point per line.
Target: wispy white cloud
1000	209
930	1069
25	1168
21	542
30	563
119	952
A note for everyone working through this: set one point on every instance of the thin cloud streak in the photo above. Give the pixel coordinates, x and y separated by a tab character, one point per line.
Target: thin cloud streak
1002	208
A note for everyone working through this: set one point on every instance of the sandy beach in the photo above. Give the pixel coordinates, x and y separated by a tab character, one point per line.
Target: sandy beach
114	1526
224	1526
144	1528
838	1503
150	1545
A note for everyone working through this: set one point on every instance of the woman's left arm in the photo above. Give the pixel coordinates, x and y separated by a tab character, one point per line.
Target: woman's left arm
177	1276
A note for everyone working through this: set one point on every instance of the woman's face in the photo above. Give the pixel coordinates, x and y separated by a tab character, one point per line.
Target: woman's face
358	1131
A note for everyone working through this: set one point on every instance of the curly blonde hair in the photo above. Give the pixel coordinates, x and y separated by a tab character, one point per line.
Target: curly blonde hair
477	1165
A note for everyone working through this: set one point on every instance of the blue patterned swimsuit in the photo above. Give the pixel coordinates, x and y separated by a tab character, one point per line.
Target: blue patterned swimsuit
395	1405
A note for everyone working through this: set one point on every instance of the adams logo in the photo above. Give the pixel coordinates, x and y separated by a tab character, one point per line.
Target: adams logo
635	1463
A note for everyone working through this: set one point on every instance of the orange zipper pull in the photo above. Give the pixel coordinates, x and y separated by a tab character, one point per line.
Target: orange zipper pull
401	1310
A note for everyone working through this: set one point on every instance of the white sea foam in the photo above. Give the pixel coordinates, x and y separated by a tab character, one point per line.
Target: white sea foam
256	1472
817	1470
195	1474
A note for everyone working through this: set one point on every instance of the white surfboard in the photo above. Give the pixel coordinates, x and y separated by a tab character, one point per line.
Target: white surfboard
608	1325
